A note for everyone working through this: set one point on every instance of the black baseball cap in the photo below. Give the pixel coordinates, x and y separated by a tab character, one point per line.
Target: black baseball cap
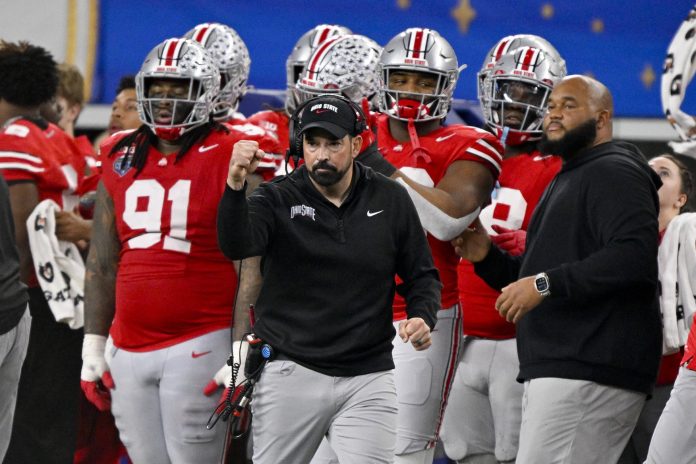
333	114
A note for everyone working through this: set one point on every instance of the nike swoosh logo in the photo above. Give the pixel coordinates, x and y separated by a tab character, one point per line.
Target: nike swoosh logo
444	137
198	355
370	213
540	158
208	148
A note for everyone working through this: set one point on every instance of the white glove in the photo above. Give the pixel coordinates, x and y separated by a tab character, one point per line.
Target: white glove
95	377
223	377
93	362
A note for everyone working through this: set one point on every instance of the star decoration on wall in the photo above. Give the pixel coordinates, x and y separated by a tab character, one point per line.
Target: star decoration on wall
597	26
647	76
404	4
547	11
464	14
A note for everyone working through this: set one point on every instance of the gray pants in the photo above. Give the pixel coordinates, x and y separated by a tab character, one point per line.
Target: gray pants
159	405
485	407
575	421
295	407
13	349
637	448
674	439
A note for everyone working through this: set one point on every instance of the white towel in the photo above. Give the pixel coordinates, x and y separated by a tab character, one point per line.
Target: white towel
676	261
59	267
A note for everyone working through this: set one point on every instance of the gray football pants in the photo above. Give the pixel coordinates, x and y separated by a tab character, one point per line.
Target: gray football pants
13	349
674	439
295	407
568	421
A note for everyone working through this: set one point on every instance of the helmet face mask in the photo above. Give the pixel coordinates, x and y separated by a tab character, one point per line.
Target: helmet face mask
301	52
345	65
509	44
518	105
176	87
516	93
423	52
232	59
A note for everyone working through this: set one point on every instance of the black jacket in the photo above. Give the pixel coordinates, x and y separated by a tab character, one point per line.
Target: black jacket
13	293
595	234
328	272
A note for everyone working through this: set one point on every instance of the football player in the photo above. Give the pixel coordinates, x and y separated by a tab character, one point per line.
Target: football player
157	283
232	59
345	65
124	109
37	169
449	172
276	121
482	421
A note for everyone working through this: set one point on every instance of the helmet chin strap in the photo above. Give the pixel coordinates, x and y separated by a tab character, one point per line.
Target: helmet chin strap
418	151
503	138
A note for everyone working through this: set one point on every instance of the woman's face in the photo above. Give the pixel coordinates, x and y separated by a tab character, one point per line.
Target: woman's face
670	192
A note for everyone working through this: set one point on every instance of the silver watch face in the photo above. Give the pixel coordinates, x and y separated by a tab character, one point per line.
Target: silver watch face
541	283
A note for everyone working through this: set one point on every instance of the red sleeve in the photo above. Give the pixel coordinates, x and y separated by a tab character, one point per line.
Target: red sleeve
20	154
488	151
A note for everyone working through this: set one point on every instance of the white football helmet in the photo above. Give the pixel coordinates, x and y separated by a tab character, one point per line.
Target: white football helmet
424	51
345	65
301	52
516	93
509	44
232	59
183	60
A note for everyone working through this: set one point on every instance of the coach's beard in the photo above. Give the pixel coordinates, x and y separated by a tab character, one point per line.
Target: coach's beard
328	176
572	143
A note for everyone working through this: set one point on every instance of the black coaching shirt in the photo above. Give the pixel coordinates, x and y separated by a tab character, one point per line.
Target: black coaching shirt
328	271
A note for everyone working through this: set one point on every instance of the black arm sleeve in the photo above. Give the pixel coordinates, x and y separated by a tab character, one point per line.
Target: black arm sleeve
372	158
243	227
498	268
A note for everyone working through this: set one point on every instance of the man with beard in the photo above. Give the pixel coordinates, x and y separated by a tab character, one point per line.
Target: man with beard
344	231
157	284
584	287
481	424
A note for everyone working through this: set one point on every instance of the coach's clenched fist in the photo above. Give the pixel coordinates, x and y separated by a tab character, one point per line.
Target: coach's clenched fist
245	158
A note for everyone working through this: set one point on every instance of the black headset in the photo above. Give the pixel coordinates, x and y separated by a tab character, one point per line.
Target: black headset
295	125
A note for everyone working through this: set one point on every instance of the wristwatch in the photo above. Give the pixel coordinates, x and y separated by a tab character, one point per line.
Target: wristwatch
541	284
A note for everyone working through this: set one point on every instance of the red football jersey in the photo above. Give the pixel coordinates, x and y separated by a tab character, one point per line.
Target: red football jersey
267	142
521	183
690	349
275	123
29	153
69	154
173	282
428	166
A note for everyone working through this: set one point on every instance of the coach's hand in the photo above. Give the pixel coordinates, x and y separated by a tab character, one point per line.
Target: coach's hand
517	299
246	155
417	332
95	377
